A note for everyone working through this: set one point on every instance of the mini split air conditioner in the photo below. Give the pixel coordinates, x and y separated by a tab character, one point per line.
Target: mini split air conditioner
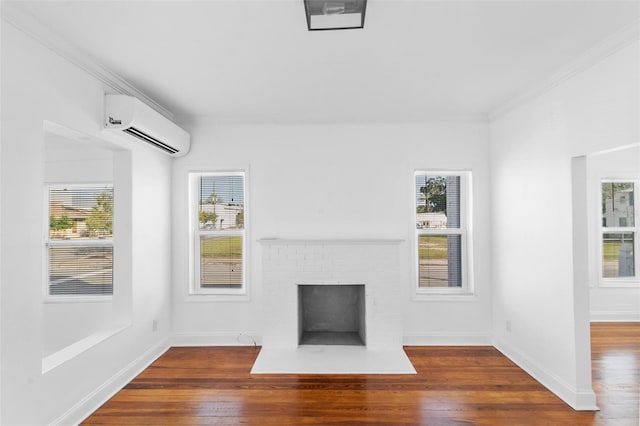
130	117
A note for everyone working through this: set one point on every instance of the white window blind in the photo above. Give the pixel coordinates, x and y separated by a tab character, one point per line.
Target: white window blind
79	240
219	233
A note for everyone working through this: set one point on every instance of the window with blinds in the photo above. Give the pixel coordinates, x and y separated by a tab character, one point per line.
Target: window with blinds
79	241
218	232
619	230
441	230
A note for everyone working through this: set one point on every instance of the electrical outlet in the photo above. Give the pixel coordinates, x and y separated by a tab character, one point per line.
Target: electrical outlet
154	325
507	325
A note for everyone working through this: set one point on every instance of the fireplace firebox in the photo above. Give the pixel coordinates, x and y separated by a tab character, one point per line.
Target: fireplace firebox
330	314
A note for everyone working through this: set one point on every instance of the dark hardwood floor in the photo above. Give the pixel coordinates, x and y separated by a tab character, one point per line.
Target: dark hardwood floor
454	386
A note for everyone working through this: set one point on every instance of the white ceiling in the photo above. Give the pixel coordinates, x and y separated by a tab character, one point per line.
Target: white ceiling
255	61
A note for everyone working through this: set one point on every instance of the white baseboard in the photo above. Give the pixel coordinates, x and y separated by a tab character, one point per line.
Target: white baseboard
410	339
578	399
216	339
89	404
615	316
447	339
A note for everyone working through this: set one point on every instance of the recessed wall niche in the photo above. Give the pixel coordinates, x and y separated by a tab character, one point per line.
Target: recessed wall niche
74	158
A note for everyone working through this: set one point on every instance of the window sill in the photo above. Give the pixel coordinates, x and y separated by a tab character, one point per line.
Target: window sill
58	358
210	297
619	284
444	297
78	299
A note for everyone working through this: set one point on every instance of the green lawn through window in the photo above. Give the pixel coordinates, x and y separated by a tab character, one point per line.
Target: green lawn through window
230	246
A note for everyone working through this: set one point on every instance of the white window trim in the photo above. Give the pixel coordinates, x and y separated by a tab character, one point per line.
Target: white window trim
621	282
467	291
47	243
195	292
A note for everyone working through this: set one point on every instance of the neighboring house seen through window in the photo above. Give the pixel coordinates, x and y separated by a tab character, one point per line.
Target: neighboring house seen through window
619	230
79	241
218	231
442	231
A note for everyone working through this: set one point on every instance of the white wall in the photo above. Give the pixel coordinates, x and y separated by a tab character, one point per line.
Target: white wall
535	313
609	301
38	85
333	181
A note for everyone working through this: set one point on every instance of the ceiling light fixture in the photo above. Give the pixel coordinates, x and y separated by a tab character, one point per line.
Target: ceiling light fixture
334	15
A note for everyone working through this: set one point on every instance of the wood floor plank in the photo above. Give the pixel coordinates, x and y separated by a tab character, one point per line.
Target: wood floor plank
454	386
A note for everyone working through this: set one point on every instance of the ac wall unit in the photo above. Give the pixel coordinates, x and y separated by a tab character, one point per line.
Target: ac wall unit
131	117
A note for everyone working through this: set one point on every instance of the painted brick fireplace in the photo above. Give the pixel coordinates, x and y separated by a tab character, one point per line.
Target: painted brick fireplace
373	263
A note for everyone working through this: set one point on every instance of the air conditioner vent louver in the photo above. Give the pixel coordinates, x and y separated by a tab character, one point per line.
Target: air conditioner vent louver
126	115
153	141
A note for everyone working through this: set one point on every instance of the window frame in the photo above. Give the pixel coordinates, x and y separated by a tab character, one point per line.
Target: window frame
631	281
195	289
464	231
49	243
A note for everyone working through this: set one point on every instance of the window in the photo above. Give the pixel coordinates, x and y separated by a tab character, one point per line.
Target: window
442	231
218	232
79	241
619	230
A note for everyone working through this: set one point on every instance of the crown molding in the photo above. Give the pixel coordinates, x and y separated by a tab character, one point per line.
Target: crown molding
13	15
231	121
603	49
